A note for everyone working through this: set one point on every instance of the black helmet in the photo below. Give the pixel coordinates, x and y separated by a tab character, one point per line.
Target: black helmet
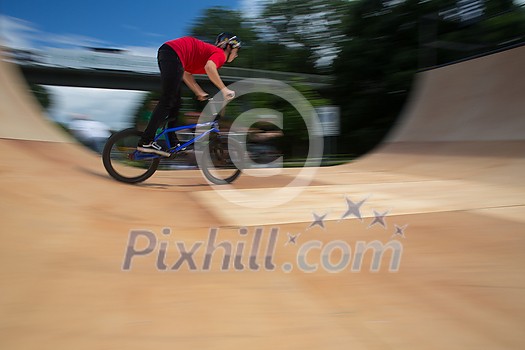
225	39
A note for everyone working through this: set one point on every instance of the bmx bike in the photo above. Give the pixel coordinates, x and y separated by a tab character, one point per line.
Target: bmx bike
221	157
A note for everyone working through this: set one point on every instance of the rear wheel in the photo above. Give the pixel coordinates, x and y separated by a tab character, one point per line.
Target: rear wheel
122	160
221	161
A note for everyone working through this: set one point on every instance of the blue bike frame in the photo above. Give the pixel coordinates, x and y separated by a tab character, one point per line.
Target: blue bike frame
214	127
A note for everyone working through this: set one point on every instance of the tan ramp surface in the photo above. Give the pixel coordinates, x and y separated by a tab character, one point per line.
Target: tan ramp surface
20	115
446	198
461	138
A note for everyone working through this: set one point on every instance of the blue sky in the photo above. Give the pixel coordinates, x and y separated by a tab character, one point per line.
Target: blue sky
109	23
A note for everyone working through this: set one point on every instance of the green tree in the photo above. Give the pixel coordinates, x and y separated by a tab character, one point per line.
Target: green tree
259	51
388	42
42	95
143	112
315	26
216	20
312	27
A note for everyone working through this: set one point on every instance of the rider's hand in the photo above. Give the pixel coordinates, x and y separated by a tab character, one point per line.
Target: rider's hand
202	97
228	94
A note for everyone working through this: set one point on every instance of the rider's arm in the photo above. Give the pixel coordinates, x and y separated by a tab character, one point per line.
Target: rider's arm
189	80
213	74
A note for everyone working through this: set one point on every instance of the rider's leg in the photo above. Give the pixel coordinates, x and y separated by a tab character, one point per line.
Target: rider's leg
174	120
171	72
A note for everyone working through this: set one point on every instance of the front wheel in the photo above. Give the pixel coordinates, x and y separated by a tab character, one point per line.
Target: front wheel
122	160
222	161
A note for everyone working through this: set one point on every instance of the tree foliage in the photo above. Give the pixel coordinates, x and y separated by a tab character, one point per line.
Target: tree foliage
217	20
260	50
314	25
372	47
388	42
42	95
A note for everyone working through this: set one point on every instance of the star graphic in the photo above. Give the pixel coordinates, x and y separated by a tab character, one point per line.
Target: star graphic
379	218
292	239
353	209
318	221
400	231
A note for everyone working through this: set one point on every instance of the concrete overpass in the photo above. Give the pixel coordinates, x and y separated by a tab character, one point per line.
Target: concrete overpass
118	70
128	80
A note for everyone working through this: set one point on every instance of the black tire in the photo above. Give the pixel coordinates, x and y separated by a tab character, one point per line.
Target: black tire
221	162
119	159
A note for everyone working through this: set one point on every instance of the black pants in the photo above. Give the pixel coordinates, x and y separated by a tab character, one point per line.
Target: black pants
171	73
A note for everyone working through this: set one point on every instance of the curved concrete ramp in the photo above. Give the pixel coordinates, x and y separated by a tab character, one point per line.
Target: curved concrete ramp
445	201
20	115
463	132
477	100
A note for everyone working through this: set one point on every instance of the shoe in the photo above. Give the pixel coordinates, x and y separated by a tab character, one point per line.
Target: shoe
152	147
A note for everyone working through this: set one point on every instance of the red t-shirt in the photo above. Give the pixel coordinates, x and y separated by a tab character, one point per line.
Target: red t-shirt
194	54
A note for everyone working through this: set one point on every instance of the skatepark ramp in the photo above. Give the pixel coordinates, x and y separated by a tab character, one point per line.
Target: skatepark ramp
446	187
477	100
462	119
20	115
